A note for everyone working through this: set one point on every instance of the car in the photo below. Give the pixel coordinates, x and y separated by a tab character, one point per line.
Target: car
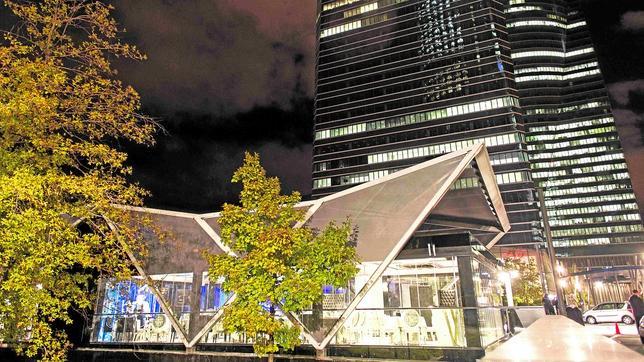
641	329
610	312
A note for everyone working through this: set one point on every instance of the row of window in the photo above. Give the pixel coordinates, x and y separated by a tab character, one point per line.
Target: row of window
337	4
565	126
512	177
516	9
438	149
357	50
457	130
351	179
433	84
361	10
495	159
558	110
501	178
577	161
584	180
321	183
589	199
598	230
596	219
592	209
597	241
555	77
581	242
508	157
418	117
553	69
551	53
341	28
371	7
519	23
466	183
585	190
579	142
577	171
354	25
570	153
557	136
413	99
557	17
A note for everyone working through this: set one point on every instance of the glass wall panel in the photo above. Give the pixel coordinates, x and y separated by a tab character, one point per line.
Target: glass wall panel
134	327
438	327
128	311
217	334
492	325
414	304
489	293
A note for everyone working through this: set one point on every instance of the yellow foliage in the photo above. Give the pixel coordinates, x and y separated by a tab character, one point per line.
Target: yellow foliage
61	115
279	266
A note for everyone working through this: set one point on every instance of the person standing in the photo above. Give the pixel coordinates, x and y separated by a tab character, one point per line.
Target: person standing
637	305
574	313
547	305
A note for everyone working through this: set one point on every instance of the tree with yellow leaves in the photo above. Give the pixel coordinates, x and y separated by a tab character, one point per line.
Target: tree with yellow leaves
62	114
278	265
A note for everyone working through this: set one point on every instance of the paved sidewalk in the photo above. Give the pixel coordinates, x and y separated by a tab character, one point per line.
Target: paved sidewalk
628	336
557	338
608	329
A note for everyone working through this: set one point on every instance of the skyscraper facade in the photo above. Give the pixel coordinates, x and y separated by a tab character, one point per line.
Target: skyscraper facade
402	81
573	144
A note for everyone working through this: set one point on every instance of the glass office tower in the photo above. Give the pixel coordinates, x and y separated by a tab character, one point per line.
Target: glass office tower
403	81
573	145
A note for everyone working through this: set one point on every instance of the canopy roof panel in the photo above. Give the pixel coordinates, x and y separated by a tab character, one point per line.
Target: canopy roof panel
384	211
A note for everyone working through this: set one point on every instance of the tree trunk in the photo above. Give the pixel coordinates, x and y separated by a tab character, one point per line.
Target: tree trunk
270	337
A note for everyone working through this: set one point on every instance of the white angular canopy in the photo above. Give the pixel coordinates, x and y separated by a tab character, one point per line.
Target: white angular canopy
386	212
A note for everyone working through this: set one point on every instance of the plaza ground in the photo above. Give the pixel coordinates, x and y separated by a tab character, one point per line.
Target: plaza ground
628	337
557	338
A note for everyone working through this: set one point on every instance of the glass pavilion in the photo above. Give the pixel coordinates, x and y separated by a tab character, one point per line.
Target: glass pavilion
426	281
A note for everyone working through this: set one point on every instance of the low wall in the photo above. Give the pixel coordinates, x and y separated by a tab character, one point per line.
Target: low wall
528	315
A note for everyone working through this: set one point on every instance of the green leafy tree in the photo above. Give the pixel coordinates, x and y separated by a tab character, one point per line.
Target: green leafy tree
62	113
526	288
278	265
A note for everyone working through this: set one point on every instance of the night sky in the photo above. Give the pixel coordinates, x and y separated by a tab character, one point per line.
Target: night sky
227	76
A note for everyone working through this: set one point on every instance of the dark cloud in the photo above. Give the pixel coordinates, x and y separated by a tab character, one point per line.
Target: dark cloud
191	166
621	92
628	96
194	175
218	56
223	77
629	126
633	20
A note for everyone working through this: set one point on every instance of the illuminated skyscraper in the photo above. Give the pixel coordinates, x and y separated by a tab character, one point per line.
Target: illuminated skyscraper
573	144
401	81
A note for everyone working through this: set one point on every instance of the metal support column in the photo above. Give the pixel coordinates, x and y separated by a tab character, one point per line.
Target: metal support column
561	307
469	303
